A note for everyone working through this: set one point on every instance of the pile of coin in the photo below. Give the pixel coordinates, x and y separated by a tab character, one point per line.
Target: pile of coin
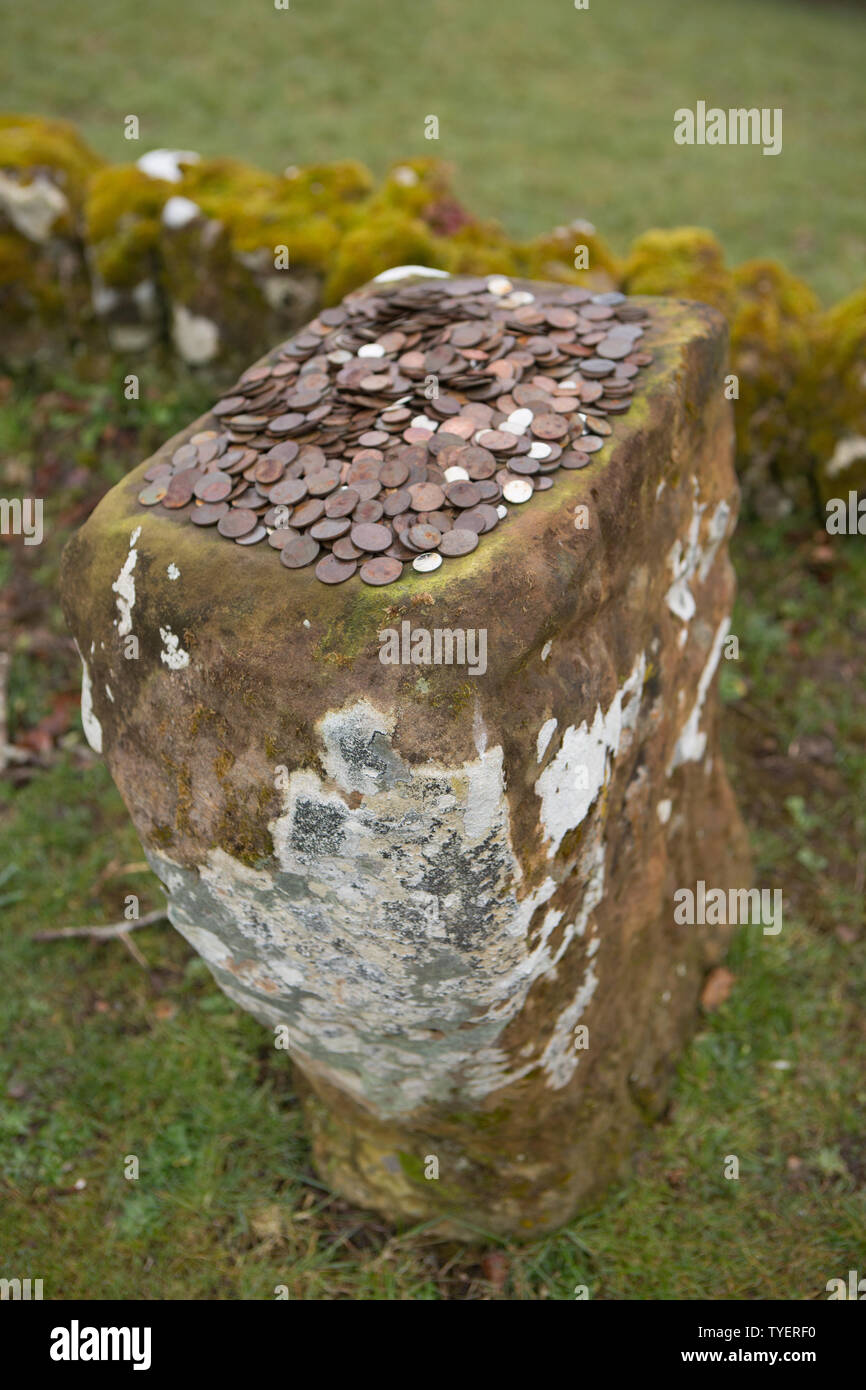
401	426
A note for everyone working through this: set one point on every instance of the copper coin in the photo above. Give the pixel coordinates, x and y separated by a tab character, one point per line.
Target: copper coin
549	426
479	463
162	470
384	570
308	512
463	494
320	484
345	550
574	458
253	537
284	424
371	537
590	443
283	534
213	487
426	497
423	537
482	518
598	426
295	554
397	502
524	466
153	493
268	470
460	541
367	488
342	503
597	366
393	473
228	405
237	521
371	510
208	514
330	528
288	492
334	571
286	452
185	457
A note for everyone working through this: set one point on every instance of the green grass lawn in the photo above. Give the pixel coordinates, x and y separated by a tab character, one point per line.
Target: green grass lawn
107	1056
548	112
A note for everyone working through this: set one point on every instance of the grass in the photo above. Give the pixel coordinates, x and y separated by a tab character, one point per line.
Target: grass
549	113
106	1059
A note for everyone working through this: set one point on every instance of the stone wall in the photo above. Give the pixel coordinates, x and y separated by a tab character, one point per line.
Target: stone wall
211	261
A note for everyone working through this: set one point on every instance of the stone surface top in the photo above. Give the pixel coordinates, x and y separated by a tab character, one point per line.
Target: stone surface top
401	426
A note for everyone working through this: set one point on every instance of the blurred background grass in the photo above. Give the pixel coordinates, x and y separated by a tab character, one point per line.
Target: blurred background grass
548	112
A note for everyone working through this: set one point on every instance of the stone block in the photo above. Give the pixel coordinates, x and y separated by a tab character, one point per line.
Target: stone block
448	891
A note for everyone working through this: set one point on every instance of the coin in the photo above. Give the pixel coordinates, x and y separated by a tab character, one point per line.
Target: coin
371	537
334	571
296	554
383	570
459	541
237	521
334	434
208	514
517	490
425	564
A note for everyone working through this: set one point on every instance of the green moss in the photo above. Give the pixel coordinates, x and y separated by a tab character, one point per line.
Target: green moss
552	256
382	240
123	223
30	145
685	261
830	394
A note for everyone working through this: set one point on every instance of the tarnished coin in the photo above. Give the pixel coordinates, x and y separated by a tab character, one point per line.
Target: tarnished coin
333	571
237	521
330	528
283	534
213	487
383	570
393	473
208	514
288	492
308	512
459	541
423	537
481	518
253	537
296	554
370	536
153	493
320	484
574	458
426	497
345	550
342	503
463	494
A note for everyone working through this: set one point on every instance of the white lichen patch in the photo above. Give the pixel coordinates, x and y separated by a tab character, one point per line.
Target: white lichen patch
692	556
195	337
692	742
384	929
173	572
124	587
545	734
172	652
573	779
89	722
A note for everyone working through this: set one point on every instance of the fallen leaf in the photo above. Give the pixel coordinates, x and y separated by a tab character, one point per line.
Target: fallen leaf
717	987
495	1267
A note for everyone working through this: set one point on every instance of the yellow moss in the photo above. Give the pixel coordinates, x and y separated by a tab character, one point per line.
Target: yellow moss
552	256
386	239
831	390
29	144
305	210
123	222
772	321
687	262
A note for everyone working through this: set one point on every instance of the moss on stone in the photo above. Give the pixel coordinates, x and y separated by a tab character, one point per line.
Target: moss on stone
684	261
30	145
123	215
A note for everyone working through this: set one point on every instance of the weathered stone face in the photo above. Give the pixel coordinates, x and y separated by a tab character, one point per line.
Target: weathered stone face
433	878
